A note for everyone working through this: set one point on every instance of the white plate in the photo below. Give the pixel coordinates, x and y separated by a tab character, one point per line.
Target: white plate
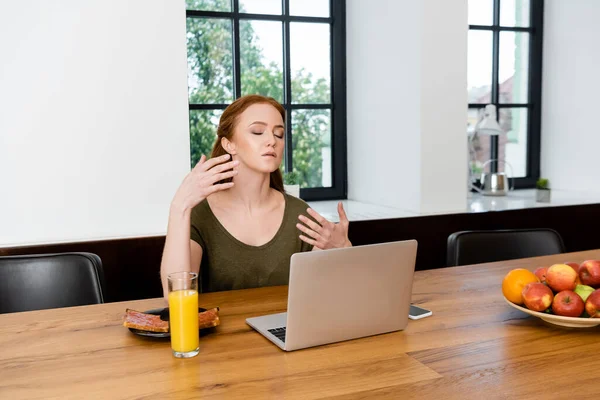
571	322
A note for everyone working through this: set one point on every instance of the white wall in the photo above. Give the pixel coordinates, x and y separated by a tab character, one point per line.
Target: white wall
406	73
570	87
443	104
93	118
383	95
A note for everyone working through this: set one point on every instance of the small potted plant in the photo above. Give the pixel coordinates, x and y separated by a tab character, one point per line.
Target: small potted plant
542	191
291	183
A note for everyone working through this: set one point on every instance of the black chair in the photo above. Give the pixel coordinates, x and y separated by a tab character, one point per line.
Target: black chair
42	281
474	247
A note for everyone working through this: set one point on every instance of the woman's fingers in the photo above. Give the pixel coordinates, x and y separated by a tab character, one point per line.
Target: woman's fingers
224	167
312	225
342	213
214	161
308	240
200	183
200	162
309	232
217	188
223	175
317	216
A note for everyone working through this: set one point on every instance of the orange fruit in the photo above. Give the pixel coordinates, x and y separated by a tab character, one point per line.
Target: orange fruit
514	282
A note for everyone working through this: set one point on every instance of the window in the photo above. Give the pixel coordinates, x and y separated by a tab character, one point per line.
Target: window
291	50
504	69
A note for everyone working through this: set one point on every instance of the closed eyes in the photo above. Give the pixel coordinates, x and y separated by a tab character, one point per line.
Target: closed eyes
260	133
276	128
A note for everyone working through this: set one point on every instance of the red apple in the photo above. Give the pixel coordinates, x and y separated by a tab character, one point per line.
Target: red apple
573	265
568	304
540	272
561	277
589	272
592	305
537	296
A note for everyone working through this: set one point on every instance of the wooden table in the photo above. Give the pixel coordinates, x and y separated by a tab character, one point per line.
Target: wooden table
473	346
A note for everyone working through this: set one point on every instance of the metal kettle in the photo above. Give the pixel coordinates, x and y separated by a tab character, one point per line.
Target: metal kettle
496	183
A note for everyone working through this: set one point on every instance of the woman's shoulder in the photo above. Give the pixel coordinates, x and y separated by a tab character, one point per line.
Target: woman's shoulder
200	212
295	204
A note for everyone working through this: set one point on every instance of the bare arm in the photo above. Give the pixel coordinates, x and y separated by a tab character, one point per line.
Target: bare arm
180	253
196	253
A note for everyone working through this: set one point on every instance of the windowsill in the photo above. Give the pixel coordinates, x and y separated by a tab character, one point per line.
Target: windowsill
476	203
357	211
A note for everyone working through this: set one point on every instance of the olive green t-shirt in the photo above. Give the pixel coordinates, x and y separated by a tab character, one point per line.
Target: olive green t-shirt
229	264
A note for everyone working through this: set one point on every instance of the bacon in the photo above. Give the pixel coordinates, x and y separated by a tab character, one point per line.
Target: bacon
144	322
208	318
149	322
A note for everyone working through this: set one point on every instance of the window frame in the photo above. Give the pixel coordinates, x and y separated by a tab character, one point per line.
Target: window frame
337	104
534	102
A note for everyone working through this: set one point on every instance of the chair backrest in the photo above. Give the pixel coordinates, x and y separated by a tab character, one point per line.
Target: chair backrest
37	282
474	247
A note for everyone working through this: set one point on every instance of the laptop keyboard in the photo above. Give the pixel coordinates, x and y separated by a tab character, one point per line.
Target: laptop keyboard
279	333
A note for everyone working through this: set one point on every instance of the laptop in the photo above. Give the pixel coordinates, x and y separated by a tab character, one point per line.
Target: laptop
342	294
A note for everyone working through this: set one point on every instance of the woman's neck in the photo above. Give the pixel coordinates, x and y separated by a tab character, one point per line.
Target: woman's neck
251	190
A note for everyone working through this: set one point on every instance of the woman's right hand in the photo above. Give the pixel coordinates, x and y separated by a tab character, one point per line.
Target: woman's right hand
200	182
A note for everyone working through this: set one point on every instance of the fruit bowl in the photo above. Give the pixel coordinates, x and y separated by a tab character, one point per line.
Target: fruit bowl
571	322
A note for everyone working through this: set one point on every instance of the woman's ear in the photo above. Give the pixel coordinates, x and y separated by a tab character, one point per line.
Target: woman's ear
228	146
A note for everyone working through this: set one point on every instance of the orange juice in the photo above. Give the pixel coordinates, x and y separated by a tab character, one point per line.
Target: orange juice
183	320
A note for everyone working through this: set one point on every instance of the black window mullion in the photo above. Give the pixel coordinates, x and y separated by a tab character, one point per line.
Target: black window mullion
319	106
287	84
208	106
535	90
237	70
208	14
500	28
503	105
495	83
259	17
285	18
338	98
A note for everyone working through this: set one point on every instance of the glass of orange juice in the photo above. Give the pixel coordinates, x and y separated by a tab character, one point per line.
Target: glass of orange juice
183	314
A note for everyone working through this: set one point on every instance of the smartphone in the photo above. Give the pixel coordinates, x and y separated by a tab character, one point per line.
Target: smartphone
418	312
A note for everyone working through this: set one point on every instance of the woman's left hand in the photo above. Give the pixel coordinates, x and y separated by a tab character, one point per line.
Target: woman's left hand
324	234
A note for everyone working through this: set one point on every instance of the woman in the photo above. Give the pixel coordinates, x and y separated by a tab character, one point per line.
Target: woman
231	219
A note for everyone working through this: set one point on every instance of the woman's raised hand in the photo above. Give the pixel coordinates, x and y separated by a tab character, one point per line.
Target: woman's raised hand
324	234
200	182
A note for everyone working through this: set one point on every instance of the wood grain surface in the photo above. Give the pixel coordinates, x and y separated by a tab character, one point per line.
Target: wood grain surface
473	346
